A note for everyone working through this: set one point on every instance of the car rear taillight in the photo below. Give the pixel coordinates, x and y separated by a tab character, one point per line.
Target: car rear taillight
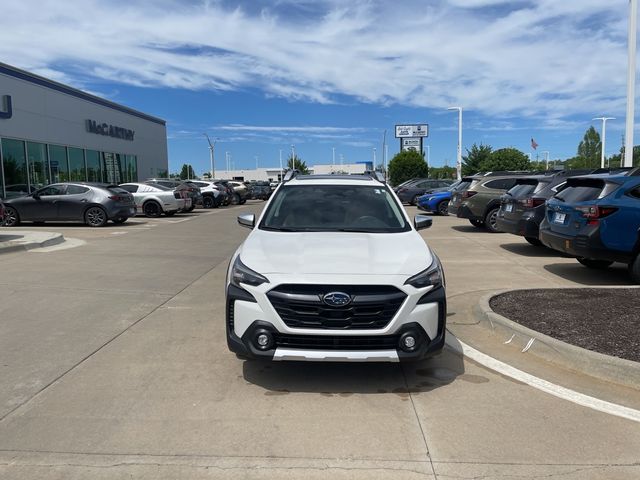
468	194
532	202
118	198
595	213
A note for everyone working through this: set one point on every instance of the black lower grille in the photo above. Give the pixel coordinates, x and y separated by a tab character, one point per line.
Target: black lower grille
330	342
370	306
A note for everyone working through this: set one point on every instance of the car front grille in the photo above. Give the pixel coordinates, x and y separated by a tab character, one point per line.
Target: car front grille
302	306
331	342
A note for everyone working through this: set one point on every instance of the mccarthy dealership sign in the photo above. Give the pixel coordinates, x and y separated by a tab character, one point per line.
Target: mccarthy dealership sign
412	131
5	107
109	130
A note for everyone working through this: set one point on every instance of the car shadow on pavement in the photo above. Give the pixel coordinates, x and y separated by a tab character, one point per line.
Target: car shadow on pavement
345	379
468	229
615	275
527	250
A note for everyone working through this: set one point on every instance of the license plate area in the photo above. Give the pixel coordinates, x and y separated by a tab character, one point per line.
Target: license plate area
559	217
508	207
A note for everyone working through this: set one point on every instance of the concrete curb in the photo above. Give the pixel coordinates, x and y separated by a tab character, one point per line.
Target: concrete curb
28	240
604	367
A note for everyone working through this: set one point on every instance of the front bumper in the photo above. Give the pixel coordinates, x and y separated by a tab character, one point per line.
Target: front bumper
422	316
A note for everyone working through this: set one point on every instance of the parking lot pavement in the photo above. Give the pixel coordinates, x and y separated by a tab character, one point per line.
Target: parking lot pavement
115	365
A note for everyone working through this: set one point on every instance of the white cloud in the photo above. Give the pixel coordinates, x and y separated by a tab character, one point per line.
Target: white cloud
539	59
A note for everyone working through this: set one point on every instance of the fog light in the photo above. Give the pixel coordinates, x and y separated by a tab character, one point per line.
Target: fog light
263	339
409	341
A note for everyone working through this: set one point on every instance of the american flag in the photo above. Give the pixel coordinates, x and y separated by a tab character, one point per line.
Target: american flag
534	145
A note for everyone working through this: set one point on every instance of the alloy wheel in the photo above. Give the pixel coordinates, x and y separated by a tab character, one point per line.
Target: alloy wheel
96	217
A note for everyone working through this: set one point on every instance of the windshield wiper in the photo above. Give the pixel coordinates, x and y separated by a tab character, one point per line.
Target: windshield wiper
281	229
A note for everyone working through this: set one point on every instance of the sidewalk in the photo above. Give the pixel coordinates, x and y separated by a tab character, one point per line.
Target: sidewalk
14	240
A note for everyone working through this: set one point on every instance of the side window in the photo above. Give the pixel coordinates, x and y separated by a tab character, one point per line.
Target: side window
502	184
423	185
130	188
76	190
52	190
635	193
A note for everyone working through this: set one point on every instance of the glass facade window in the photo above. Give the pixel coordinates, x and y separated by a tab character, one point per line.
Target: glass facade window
112	169
77	171
94	167
130	168
38	165
14	163
58	163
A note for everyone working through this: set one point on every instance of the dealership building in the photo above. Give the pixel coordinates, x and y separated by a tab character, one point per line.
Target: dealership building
50	132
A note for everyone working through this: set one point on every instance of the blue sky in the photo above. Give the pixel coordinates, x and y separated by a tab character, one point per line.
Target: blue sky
320	74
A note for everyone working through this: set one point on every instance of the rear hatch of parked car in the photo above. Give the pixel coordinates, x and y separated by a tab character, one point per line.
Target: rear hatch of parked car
121	196
522	197
458	194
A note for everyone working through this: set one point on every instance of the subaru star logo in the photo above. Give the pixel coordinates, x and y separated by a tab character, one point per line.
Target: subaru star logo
336	299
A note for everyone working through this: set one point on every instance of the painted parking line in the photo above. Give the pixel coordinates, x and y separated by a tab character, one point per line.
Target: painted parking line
543	385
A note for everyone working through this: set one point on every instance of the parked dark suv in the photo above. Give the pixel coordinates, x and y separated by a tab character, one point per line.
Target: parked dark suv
522	208
410	192
481	201
596	218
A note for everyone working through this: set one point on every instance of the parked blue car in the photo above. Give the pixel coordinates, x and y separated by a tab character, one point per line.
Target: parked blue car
438	200
596	218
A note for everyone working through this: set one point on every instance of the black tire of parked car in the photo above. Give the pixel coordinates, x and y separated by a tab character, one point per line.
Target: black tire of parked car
414	200
595	264
151	209
120	220
208	202
490	220
443	208
533	241
95	217
634	269
477	223
243	201
170	214
191	208
235	199
11	217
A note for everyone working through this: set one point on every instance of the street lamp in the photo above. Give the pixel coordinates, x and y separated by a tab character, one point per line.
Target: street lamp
459	159
212	172
631	84
604	137
428	154
546	156
374	158
293	157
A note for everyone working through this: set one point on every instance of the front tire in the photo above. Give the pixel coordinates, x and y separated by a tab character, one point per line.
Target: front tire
152	209
477	223
208	202
491	220
11	217
95	217
634	269
170	214
414	201
443	208
235	199
595	264
120	220
534	241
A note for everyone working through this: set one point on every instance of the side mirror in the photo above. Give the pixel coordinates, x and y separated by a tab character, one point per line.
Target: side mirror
422	221
36	195
247	220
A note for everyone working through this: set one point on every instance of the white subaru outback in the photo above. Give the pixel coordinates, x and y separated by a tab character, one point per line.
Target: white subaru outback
333	270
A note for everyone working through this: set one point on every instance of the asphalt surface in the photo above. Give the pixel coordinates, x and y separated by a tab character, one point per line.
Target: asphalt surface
114	365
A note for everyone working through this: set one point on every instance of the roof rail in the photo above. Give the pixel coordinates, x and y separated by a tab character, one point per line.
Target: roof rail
376	175
504	173
290	175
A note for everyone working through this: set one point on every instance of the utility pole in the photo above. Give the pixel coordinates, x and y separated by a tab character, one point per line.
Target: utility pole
459	157
631	83
384	150
604	138
281	172
212	172
374	158
546	154
293	157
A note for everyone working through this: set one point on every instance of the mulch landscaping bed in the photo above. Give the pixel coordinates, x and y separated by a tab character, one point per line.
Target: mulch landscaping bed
604	320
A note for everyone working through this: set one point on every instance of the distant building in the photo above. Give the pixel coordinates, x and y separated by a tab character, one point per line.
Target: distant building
50	132
274	174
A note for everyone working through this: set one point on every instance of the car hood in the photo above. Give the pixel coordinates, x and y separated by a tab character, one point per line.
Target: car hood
335	253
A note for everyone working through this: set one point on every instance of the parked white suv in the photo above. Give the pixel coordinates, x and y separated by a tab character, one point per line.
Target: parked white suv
334	270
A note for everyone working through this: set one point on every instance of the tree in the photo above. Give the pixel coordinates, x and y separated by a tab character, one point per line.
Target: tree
618	159
187	172
294	162
406	165
505	159
163	174
590	147
474	158
442	172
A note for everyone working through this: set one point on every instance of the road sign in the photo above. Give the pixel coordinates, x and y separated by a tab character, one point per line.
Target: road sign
412	131
411	142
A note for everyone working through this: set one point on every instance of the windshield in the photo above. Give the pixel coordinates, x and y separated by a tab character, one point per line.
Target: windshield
334	208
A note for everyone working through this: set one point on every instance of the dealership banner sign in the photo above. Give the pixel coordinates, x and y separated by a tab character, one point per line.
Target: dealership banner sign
109	130
412	131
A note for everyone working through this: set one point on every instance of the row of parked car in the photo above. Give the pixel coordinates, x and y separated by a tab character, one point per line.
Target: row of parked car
592	215
97	203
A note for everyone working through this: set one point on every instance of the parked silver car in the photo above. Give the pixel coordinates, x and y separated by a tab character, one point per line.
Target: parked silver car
154	200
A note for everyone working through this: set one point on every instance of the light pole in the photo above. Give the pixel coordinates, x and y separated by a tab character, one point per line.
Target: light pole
631	83
281	172
293	157
428	155
212	172
604	138
546	156
256	157
459	159
333	155
226	158
374	158
384	149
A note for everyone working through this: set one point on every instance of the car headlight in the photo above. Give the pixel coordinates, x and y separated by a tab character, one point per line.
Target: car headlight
240	273
434	275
